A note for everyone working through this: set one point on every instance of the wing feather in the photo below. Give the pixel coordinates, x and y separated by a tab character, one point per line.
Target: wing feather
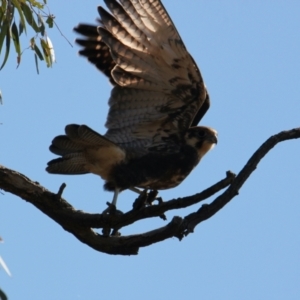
126	22
140	17
96	51
158	89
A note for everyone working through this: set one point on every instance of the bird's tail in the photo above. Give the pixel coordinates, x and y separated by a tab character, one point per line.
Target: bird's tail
82	151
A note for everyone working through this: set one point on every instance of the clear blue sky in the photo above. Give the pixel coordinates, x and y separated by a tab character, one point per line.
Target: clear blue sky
248	52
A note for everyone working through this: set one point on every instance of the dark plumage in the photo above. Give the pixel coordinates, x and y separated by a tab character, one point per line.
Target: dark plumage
157	100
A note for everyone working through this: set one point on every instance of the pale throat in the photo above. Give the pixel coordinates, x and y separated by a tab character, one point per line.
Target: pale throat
206	146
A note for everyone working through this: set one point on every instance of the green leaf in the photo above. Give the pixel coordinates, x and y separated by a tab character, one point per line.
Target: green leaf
3	33
2	295
36	4
49	21
3	10
22	19
32	43
15	36
38	52
4	266
36	63
29	17
51	50
2	15
21	28
41	24
46	52
3	5
7	48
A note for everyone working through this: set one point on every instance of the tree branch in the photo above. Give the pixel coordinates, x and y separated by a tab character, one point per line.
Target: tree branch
80	224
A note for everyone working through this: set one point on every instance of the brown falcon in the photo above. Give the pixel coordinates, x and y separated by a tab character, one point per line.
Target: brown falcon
158	98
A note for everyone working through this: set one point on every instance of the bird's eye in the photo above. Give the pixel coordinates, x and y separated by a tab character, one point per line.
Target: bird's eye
200	133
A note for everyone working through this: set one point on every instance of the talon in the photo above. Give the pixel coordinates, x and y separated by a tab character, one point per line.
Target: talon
111	209
141	200
152	197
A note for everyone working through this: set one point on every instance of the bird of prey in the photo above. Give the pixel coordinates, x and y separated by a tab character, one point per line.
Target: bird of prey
158	97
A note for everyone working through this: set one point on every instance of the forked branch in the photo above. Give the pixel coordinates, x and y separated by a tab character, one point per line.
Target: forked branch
81	224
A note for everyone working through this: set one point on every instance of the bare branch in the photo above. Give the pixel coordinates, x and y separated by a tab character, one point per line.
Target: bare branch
80	224
205	212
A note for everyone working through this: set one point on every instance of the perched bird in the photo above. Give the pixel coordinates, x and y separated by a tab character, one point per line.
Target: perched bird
158	98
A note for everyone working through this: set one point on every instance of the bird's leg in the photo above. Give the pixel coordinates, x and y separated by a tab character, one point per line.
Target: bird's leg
152	195
112	209
113	205
136	190
115	198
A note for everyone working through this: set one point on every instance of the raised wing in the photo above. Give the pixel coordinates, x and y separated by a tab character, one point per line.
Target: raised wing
158	91
95	50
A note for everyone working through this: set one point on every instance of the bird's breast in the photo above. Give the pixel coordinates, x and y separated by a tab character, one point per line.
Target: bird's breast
157	171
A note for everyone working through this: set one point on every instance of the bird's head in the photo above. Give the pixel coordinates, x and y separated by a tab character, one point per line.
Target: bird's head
201	138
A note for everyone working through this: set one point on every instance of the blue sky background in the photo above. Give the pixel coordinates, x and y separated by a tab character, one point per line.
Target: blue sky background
248	53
